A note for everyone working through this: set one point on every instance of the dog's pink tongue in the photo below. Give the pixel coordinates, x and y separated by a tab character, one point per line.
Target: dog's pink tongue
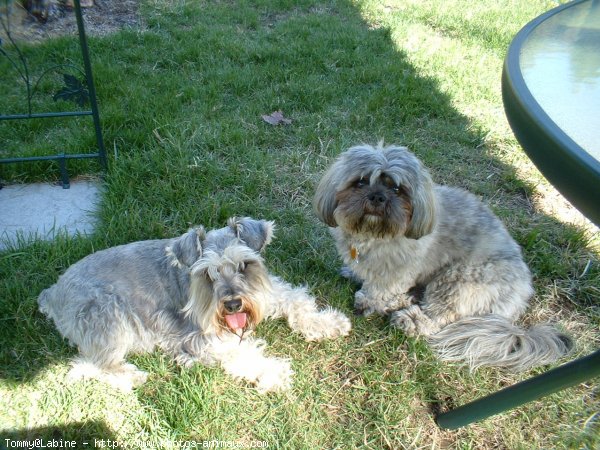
236	321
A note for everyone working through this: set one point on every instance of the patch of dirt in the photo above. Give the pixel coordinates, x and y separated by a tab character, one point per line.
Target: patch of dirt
104	17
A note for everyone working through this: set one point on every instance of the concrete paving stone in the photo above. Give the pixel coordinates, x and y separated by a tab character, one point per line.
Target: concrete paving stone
41	210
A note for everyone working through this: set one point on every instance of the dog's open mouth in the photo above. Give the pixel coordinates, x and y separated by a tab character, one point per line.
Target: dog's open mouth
236	322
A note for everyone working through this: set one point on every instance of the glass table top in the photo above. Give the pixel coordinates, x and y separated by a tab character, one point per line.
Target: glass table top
560	64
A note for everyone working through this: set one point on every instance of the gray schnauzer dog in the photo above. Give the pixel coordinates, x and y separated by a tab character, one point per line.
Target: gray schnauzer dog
399	234
197	297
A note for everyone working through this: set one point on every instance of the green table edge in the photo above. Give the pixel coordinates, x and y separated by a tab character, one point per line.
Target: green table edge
574	172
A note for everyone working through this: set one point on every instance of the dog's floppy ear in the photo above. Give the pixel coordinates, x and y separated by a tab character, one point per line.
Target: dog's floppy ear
325	201
256	234
423	207
186	249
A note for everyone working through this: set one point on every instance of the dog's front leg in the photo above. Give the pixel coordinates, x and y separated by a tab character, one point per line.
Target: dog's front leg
245	360
302	314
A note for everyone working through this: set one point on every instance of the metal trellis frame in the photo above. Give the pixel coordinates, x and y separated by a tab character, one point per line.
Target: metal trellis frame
62	158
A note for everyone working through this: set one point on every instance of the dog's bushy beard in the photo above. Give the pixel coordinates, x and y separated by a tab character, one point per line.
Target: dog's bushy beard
356	214
206	307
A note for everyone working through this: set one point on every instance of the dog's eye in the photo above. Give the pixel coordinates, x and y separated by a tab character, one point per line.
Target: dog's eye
399	190
361	183
241	267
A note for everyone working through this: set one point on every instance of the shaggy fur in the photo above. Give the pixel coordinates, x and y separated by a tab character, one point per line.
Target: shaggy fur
197	297
399	234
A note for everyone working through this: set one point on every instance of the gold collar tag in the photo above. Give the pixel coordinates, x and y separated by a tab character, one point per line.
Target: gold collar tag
354	254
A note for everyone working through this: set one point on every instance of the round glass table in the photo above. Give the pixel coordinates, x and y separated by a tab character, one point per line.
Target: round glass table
551	94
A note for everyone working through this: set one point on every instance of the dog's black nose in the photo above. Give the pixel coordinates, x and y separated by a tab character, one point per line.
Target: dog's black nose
233	306
377	198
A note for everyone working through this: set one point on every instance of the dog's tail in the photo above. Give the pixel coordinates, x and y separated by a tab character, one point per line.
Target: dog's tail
493	341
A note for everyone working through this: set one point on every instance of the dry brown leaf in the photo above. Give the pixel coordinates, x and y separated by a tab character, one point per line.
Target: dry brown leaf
276	118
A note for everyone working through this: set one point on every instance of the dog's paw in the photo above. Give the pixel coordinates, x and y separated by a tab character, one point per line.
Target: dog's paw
366	304
405	319
276	376
362	305
184	359
414	322
124	377
136	376
327	324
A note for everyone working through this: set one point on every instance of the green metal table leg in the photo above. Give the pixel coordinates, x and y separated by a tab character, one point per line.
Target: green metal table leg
567	375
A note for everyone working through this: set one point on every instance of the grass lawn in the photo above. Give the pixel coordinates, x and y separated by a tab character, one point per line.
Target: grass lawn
181	99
